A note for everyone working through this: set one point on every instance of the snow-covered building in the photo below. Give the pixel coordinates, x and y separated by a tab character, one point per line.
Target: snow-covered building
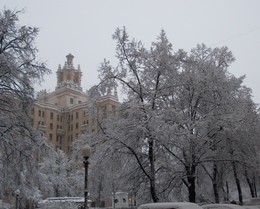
61	115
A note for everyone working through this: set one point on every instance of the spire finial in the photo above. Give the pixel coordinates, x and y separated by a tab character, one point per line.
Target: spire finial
69	62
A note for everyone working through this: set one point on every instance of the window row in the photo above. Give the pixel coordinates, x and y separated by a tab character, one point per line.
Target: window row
76	115
72	101
58	138
41	113
58	126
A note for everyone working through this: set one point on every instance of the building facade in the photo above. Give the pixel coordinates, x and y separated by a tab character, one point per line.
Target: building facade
61	116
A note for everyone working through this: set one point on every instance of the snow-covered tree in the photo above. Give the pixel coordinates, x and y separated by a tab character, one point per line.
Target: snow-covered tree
19	70
143	74
54	171
197	107
174	122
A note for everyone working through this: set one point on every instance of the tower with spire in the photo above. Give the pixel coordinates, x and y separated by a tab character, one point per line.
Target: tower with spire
62	116
69	76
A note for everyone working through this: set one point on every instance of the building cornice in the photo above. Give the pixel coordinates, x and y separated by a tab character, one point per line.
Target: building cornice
48	105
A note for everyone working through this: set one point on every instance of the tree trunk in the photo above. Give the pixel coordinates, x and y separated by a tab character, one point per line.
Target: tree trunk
227	191
153	192
56	191
254	185
99	192
190	173
152	172
240	196
250	184
191	188
251	187
215	184
191	182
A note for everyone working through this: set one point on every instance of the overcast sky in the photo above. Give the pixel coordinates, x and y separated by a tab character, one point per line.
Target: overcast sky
84	28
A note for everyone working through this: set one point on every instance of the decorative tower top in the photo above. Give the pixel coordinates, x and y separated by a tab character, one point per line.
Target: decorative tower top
69	63
68	76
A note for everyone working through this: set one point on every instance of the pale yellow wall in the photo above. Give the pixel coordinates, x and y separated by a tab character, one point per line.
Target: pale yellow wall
58	105
62	97
66	125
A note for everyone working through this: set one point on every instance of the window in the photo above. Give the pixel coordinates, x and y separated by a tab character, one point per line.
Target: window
71	100
71	127
51	126
77	125
51	116
58	117
50	137
77	115
40	112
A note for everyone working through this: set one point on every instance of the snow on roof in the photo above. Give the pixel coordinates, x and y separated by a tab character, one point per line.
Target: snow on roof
254	200
64	199
170	205
251	206
222	206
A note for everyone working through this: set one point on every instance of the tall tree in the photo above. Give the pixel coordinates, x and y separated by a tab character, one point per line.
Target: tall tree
178	109
142	73
19	70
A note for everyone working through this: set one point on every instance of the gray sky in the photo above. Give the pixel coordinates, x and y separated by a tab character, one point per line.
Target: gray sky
85	27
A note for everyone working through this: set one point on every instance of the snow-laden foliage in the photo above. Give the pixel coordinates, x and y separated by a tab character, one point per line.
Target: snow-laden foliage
19	70
54	170
187	126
